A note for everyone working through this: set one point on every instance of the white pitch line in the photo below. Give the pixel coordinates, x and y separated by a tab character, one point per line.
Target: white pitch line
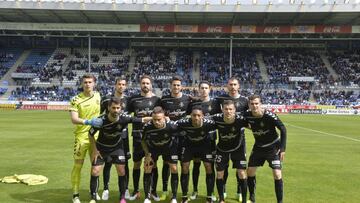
325	133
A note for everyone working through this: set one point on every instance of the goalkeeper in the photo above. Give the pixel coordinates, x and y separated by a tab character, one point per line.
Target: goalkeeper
84	109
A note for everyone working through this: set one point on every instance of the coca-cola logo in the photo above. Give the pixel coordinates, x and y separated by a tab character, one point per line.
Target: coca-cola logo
216	29
332	29
272	29
156	28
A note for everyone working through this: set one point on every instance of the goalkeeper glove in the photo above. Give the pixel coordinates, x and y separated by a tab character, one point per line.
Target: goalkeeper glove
95	122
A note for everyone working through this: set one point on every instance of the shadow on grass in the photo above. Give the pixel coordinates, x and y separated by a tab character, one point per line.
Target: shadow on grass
64	196
49	196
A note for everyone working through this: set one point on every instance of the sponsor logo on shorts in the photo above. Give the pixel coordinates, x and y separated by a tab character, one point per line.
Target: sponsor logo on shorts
174	157
209	156
243	162
276	162
121	157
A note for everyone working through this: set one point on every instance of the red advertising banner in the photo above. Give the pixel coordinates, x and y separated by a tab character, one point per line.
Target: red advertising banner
273	29
301	106
333	29
157	28
215	29
278	110
303	29
243	29
34	107
186	28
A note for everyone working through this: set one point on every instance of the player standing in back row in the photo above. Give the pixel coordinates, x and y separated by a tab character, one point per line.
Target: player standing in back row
268	145
141	105
175	106
120	87
241	105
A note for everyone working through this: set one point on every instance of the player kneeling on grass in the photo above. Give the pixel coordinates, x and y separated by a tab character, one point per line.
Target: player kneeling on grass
109	146
268	145
159	140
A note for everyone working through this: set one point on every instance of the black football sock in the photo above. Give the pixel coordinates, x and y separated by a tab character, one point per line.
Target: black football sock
174	184
251	181
136	179
165	173
209	184
195	175
106	175
94	185
220	188
279	190
184	183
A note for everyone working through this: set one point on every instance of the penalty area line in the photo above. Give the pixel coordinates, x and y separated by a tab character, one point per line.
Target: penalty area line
324	133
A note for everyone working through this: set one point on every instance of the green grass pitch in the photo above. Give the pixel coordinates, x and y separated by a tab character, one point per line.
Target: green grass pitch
322	162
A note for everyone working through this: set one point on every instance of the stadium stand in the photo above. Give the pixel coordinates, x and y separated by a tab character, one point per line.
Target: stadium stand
282	64
8	57
347	66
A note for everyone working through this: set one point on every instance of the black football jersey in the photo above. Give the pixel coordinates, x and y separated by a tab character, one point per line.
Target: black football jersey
241	103
105	101
159	137
142	107
193	134
264	129
230	135
208	107
110	133
175	108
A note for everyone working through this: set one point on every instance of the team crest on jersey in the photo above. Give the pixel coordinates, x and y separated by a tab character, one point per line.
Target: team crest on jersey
261	124
202	133
237	104
181	104
150	103
119	126
166	135
233	129
209	108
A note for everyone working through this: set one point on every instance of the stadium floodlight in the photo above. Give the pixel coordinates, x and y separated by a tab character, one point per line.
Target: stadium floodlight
254	1
326	1
280	1
207	2
223	2
270	2
186	1
313	1
291	1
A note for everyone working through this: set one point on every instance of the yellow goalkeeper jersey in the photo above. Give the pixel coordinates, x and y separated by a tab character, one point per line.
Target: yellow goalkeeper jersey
87	108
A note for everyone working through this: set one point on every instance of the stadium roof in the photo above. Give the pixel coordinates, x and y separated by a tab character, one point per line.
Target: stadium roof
80	16
204	12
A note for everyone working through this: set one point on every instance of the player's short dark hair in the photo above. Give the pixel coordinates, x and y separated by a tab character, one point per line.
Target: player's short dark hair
157	110
88	75
118	79
146	77
233	78
204	82
114	100
254	96
228	102
196	107
176	78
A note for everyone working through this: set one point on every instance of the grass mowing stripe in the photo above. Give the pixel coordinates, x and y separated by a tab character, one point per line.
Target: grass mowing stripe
325	133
